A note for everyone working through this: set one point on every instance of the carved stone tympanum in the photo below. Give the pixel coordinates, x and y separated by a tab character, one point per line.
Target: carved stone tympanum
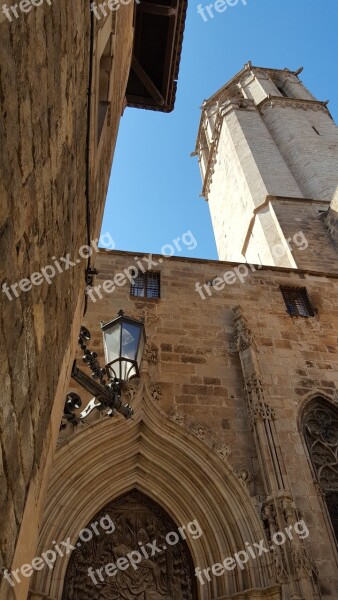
168	575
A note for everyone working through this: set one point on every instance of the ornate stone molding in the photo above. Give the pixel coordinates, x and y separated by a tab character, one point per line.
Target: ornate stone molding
292	560
243	337
205	434
258	408
156	393
292	103
270	521
243	474
303	564
237	103
178	418
151	353
132	391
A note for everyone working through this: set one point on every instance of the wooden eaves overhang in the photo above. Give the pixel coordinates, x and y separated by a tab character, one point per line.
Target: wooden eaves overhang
159	27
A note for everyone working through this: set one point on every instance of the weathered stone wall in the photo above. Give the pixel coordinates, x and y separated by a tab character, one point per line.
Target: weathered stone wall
304	223
44	79
44	66
197	379
307	138
248	167
332	218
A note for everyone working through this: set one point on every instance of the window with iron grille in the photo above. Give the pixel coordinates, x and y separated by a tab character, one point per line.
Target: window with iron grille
146	285
297	301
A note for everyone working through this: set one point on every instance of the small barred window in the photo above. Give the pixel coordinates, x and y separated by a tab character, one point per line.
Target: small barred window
146	285
297	301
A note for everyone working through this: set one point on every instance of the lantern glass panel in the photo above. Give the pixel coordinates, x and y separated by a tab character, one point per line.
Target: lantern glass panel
130	340
112	338
124	341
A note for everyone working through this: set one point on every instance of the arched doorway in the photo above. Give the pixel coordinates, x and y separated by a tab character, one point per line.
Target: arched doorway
155	560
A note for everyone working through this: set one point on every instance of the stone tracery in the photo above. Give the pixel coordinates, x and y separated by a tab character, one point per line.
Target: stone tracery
321	436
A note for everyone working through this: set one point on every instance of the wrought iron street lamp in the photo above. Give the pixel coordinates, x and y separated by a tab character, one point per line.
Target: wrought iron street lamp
124	340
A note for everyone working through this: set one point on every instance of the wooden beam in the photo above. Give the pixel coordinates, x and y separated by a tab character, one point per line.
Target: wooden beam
157	9
169	55
147	82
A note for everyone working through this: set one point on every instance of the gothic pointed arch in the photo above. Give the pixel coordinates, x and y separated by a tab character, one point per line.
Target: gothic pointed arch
175	470
143	534
320	430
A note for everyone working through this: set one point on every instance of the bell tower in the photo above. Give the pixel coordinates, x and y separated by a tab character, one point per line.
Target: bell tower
268	155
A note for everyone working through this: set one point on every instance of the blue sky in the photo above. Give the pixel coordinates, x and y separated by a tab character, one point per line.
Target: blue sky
155	185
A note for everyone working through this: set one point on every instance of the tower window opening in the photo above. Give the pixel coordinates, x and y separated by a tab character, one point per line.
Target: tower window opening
316	130
281	91
297	301
146	285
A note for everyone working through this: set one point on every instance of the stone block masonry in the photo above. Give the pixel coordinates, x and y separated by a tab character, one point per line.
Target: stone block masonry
44	67
196	377
14	11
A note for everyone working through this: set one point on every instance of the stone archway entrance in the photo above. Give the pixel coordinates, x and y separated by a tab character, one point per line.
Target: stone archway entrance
167	574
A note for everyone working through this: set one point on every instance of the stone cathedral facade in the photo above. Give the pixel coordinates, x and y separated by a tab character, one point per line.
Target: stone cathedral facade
236	407
67	74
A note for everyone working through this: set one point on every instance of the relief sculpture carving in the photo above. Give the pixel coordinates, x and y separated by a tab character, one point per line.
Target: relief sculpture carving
138	522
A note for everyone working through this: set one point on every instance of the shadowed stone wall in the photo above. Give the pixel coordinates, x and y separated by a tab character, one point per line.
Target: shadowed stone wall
44	82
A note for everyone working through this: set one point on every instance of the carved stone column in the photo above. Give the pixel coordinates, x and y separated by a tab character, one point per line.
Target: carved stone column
292	564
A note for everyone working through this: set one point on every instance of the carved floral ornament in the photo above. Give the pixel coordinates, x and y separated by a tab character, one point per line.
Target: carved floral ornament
150	353
258	408
205	434
243	337
302	564
271	526
243	474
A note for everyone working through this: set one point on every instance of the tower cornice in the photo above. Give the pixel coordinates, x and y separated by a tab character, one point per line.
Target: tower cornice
304	103
248	67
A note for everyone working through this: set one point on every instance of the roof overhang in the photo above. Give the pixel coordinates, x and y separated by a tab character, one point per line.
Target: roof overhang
159	27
